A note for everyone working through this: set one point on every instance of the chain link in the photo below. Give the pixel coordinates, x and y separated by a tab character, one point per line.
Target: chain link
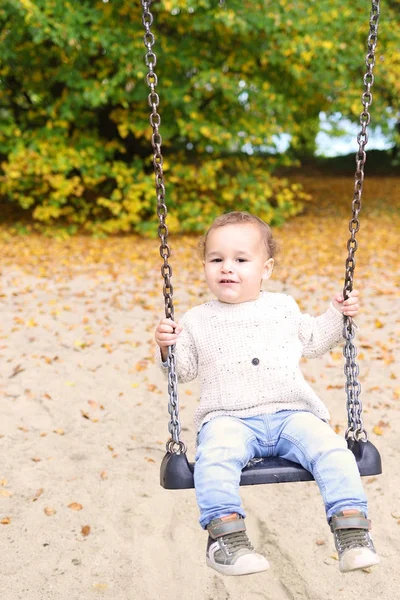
355	427
174	444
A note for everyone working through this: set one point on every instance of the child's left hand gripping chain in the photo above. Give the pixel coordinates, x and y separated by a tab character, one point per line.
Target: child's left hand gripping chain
349	307
166	334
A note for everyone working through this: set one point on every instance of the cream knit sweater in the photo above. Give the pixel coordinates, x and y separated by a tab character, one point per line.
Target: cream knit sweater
247	355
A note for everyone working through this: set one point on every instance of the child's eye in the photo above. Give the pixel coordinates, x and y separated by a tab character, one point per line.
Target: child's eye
242	260
216	259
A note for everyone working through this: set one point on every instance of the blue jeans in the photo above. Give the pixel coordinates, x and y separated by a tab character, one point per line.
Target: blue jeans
226	444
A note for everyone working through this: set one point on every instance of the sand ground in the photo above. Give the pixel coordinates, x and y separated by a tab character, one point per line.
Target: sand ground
83	429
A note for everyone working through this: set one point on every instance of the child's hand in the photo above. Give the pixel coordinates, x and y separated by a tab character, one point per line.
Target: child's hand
349	307
166	334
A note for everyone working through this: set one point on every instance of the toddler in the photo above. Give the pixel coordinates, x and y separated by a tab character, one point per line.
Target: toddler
245	347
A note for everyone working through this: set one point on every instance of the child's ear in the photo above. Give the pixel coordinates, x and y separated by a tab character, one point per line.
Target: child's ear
268	268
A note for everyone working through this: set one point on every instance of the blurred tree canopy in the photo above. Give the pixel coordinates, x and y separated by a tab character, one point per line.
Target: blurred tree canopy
233	77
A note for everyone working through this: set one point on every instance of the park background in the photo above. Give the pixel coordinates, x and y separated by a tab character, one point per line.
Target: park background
255	100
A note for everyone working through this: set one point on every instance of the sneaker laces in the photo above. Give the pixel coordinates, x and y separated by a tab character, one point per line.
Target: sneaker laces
236	541
351	538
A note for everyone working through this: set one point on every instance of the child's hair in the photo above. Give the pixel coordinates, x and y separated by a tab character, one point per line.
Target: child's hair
240	218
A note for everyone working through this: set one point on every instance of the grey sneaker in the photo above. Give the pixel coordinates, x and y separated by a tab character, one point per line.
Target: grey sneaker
229	550
352	540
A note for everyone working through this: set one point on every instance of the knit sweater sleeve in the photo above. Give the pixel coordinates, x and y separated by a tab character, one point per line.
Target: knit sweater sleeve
185	353
320	334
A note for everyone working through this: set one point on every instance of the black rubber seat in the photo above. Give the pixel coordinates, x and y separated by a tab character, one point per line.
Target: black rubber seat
176	473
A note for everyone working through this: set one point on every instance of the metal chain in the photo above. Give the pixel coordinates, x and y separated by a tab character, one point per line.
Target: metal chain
174	444
355	427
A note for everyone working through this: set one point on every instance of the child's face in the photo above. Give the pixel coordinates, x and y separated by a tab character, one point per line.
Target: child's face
236	260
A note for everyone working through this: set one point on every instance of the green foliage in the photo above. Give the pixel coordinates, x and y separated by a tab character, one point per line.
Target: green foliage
74	128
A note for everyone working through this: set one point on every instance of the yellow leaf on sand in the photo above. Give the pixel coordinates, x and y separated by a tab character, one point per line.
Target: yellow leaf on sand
141	365
79	344
377	430
378	324
85	530
5	521
100	586
5	493
75	506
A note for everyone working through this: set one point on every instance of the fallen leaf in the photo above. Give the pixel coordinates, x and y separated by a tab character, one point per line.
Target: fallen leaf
16	370
5	493
49	511
38	494
100	586
59	431
377	430
371	480
79	344
85	530
75	506
103	475
5	521
141	365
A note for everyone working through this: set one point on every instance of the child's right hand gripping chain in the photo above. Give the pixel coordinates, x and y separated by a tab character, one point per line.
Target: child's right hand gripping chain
349	307
166	334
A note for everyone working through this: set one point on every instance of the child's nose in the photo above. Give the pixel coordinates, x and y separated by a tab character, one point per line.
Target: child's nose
227	266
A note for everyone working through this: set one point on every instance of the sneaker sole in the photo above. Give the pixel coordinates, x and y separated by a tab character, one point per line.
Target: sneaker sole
358	558
245	565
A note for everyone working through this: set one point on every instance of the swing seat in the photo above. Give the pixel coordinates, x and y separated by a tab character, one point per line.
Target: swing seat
176	473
